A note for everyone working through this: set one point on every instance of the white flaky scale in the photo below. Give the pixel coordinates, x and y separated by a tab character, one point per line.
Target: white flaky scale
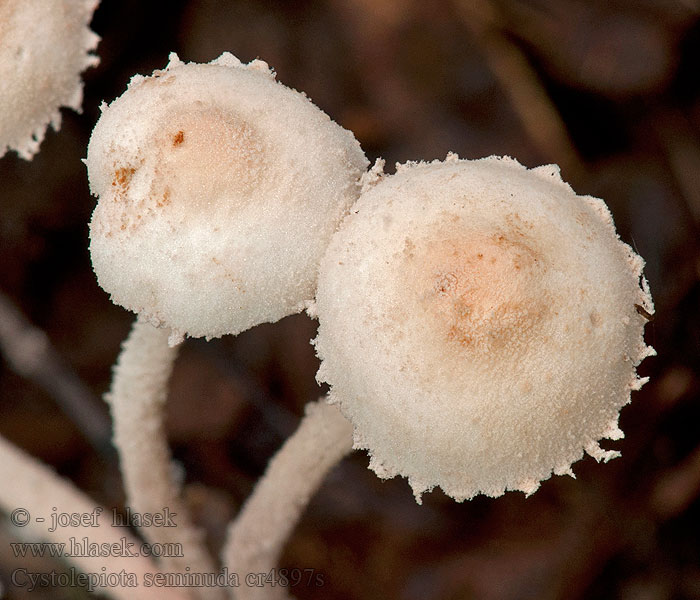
44	47
480	325
219	189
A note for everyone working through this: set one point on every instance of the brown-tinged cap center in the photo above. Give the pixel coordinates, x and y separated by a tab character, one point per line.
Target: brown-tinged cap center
482	291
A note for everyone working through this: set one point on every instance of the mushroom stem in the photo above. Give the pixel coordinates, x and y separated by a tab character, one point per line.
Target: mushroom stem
258	534
32	493
137	401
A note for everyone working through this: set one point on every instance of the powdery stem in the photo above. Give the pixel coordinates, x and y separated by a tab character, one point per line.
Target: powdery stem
258	534
29	485
137	401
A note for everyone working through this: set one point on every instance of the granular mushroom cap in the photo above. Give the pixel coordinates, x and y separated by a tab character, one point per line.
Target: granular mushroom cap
479	325
44	47
219	189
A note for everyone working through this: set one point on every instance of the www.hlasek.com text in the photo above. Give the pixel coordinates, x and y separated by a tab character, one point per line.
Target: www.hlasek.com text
83	547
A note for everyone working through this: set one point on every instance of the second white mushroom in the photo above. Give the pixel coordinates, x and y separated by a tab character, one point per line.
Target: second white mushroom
480	325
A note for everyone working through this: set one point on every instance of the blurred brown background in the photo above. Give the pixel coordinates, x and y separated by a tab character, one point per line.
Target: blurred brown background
609	90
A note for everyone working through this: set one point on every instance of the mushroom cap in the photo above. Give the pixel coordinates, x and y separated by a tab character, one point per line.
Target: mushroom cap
46	44
478	325
219	189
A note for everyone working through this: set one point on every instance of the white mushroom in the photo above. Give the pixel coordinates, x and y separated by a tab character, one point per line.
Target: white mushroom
44	47
219	190
480	325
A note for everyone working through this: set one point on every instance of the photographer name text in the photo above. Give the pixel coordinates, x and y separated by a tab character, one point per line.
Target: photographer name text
127	518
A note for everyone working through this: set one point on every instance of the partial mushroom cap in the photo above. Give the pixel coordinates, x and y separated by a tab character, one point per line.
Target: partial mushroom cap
478	325
44	47
219	189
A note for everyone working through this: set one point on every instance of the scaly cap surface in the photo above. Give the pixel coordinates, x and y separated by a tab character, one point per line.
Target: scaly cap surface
478	325
44	47
219	189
